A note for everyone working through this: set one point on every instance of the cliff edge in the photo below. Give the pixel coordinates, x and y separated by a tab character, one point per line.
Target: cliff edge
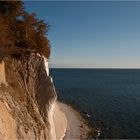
28	107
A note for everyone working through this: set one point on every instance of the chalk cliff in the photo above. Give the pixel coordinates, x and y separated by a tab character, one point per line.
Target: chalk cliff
28	107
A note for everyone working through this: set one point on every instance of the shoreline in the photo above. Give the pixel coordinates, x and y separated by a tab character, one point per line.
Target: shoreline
82	124
76	124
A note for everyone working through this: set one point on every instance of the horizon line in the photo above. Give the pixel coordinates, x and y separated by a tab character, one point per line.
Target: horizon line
88	68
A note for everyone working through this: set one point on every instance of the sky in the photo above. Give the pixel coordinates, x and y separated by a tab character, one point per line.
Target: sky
91	34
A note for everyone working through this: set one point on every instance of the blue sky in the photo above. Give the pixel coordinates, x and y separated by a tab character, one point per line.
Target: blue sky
91	34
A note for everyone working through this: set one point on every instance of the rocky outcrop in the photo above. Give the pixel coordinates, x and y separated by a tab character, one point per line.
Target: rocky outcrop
28	108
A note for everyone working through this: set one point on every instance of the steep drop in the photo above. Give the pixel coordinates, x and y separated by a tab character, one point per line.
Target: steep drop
28	107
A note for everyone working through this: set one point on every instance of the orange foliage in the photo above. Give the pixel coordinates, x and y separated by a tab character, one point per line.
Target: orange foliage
21	29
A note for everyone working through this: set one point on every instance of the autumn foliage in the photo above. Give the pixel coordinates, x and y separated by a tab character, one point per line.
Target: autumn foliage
22	30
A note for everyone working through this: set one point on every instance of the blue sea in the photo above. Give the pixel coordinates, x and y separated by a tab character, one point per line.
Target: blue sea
111	96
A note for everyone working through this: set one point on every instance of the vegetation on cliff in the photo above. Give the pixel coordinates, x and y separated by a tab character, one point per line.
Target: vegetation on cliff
21	31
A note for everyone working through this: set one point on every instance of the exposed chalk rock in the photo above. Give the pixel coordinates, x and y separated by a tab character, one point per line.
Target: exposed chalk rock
28	108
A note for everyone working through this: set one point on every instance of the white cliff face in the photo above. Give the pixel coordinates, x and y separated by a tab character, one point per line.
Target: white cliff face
46	65
51	121
58	122
28	108
56	118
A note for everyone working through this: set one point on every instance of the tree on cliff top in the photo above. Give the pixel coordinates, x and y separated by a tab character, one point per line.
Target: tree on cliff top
22	30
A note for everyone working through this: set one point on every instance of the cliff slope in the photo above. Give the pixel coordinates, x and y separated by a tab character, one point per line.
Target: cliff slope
28	108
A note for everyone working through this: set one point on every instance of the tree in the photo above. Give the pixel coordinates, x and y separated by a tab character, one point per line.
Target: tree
6	39
21	29
11	8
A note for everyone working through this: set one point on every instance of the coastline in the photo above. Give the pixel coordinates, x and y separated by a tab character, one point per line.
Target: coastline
76	126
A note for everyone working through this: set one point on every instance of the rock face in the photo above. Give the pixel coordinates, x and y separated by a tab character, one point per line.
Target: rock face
28	100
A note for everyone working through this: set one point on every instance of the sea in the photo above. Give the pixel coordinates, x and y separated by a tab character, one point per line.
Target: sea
111	97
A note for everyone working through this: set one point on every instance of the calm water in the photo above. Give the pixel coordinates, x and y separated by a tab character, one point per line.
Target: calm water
110	95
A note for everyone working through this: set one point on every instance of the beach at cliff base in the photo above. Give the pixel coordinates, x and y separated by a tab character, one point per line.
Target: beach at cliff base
76	127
